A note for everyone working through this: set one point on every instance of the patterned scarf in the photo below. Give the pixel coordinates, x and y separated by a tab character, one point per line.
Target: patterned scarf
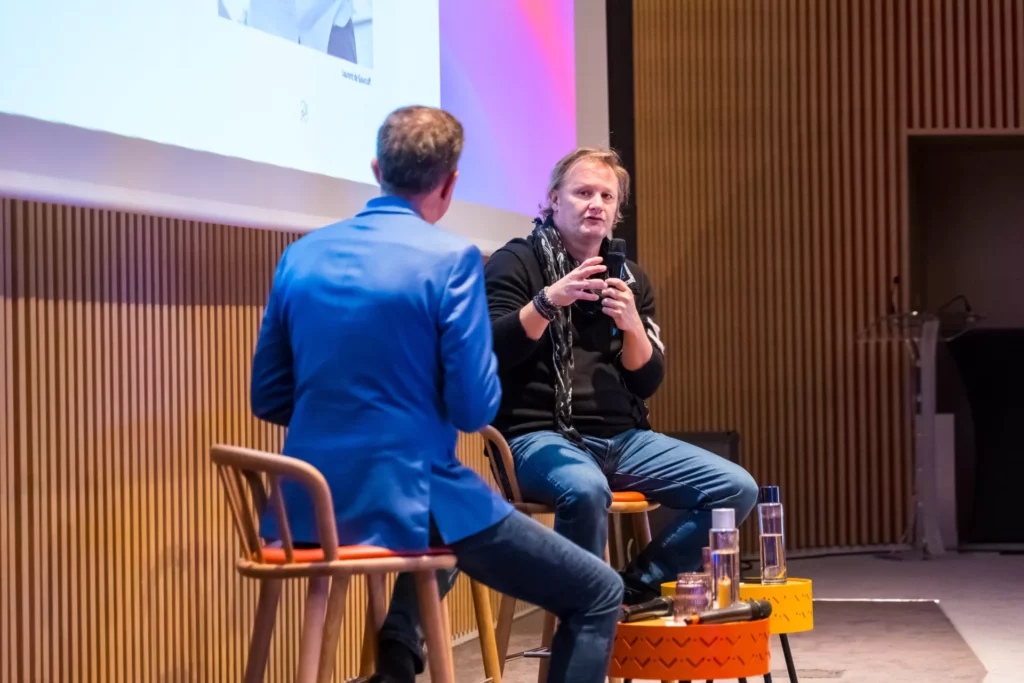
556	263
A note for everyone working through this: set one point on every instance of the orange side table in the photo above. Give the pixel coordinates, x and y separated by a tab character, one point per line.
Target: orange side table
659	649
792	610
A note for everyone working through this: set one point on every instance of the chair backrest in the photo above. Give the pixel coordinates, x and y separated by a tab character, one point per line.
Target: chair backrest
242	472
499	455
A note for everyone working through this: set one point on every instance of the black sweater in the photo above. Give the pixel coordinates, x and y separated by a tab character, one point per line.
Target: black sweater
607	399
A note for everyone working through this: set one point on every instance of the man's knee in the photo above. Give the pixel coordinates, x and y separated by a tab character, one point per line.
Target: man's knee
609	591
744	496
585	498
601	595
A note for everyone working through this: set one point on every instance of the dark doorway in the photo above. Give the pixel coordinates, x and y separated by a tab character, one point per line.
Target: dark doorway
967	255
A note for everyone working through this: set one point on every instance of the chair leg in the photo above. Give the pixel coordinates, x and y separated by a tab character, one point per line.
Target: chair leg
621	556
485	627
447	619
547	635
312	628
438	650
503	632
332	627
263	629
642	529
376	612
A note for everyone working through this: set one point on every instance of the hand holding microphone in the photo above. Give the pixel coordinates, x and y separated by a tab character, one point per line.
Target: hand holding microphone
617	298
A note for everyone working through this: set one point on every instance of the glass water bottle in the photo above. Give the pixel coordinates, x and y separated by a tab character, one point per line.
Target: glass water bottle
773	539
725	556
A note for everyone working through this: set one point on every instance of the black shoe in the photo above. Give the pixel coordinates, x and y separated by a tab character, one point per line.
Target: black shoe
636	591
395	663
382	678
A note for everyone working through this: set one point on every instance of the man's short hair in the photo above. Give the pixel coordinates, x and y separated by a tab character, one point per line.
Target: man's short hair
417	148
605	156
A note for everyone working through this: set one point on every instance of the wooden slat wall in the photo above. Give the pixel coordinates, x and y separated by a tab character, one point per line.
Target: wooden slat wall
771	145
125	343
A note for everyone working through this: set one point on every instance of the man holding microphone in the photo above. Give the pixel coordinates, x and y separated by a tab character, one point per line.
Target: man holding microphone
579	353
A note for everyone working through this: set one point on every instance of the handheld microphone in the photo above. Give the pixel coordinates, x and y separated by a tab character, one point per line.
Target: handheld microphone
615	260
751	610
658	607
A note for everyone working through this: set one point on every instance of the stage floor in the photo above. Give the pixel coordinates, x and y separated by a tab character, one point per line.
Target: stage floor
981	595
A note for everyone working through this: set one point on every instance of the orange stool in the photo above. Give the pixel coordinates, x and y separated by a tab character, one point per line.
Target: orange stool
328	568
659	649
499	455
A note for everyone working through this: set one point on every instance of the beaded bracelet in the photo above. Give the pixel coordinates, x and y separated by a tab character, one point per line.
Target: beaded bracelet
544	306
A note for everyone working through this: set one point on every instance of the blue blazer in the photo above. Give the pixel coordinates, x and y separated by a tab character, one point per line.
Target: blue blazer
375	350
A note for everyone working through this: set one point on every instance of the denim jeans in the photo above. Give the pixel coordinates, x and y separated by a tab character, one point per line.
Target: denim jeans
579	483
524	559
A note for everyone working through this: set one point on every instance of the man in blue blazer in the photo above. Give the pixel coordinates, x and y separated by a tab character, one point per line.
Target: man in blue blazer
375	350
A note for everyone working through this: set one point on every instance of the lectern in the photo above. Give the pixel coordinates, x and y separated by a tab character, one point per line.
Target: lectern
919	333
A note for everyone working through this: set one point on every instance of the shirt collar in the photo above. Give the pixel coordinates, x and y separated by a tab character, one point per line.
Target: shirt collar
388	204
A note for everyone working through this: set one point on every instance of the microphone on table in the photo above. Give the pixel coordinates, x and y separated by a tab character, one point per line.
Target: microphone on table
658	607
751	610
615	261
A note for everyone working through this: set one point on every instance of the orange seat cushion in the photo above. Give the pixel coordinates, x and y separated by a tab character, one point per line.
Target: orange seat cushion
628	497
347	552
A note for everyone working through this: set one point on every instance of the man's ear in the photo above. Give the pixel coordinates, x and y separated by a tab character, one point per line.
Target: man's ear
375	166
448	188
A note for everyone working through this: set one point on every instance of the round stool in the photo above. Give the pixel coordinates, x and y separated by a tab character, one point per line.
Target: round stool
792	611
659	649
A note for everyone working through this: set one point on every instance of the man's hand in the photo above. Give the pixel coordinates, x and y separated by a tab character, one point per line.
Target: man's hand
577	285
618	304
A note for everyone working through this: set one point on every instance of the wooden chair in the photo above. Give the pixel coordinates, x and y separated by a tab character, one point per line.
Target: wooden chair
631	503
328	568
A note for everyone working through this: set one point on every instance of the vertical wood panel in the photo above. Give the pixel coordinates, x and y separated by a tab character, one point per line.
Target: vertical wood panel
125	343
771	176
9	647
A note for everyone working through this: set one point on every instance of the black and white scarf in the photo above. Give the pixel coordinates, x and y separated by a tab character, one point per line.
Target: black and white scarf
556	263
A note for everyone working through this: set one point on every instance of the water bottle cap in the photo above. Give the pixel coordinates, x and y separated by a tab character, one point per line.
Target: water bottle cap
723	518
769	494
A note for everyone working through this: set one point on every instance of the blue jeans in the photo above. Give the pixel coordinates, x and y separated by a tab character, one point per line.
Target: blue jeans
579	483
524	559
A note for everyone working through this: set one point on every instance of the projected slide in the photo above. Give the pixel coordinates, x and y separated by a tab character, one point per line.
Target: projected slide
294	84
302	84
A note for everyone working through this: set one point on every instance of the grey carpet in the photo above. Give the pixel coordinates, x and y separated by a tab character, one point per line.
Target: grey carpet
852	642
